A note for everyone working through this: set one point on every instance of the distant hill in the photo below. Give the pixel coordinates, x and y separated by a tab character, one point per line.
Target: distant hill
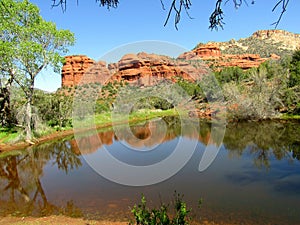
262	42
145	69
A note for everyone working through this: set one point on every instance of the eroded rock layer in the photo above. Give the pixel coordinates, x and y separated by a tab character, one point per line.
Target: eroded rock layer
140	69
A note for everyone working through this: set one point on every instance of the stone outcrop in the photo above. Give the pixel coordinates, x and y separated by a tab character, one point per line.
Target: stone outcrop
147	69
140	69
246	52
74	68
288	40
211	53
207	51
244	61
144	69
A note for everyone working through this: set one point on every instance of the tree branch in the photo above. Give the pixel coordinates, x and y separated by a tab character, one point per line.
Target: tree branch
284	4
215	19
186	4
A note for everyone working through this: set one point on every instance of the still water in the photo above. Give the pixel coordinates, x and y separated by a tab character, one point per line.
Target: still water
255	178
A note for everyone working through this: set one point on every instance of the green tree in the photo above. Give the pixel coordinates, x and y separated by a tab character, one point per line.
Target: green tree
36	44
7	67
55	108
229	74
294	78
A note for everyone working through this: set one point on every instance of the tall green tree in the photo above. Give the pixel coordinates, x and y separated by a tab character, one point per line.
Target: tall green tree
294	78
7	67
36	44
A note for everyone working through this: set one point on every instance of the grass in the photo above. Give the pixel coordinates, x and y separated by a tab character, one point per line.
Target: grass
12	135
8	135
289	116
106	118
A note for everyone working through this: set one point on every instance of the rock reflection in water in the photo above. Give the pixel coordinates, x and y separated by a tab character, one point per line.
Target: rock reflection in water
258	171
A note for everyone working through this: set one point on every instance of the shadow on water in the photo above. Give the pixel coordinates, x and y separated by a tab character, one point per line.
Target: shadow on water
257	169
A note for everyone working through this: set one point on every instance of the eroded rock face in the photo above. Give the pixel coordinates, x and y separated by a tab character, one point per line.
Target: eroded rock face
148	69
140	69
287	39
74	68
207	51
211	53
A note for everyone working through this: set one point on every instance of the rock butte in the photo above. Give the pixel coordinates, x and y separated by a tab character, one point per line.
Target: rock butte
147	69
140	69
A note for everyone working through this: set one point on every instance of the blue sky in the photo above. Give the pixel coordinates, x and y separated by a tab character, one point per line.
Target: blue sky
98	30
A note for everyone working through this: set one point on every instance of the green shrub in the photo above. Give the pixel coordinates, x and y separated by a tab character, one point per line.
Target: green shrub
145	216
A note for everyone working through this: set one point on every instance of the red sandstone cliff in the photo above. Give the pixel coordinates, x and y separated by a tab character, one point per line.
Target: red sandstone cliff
211	53
74	68
147	69
140	69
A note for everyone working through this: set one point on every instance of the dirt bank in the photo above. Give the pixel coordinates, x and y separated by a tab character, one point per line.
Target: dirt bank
63	220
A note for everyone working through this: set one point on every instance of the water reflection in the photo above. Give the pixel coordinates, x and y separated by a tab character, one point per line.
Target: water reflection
263	141
258	170
155	128
22	192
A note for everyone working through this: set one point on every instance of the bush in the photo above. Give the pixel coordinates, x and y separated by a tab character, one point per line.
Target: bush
145	216
229	74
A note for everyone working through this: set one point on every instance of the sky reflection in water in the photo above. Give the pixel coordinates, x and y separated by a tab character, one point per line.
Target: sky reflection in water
255	178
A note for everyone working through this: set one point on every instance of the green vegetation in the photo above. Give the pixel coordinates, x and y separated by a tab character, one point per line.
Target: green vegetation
160	216
266	92
8	134
28	45
252	45
264	141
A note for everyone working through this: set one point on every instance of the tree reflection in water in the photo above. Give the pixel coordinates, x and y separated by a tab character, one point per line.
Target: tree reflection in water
263	141
21	189
22	193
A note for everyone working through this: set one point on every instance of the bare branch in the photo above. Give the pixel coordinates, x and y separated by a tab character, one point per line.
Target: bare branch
62	3
107	3
284	4
186	4
216	18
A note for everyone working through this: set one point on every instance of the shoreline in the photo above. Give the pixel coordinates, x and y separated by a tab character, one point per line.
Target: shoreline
61	219
56	135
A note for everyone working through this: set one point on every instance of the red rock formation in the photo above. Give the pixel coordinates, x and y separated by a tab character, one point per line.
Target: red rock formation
74	68
148	69
244	61
212	54
140	69
81	69
208	51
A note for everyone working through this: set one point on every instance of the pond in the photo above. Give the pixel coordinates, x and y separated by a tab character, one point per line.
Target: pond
254	179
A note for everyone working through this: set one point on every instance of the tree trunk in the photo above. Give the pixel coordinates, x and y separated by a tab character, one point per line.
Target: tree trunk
28	117
28	112
5	110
